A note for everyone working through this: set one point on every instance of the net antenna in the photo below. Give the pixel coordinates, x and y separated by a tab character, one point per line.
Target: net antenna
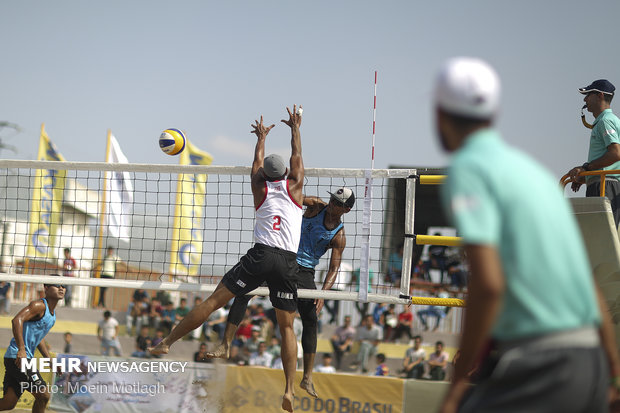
366	217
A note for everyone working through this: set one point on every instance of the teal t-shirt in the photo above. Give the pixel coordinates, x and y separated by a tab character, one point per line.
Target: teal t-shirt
498	196
605	131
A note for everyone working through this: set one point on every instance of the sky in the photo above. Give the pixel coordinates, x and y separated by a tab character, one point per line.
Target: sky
212	68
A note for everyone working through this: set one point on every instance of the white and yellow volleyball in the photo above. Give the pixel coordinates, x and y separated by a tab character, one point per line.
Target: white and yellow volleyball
172	141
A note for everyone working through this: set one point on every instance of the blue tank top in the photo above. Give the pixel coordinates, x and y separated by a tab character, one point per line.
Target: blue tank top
34	331
315	239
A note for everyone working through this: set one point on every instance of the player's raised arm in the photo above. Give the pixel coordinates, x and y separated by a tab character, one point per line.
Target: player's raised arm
261	131
296	172
313	204
337	244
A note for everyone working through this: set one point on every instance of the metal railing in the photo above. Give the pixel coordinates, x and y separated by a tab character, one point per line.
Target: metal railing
566	179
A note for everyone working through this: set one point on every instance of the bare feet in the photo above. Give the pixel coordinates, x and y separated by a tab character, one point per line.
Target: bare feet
221	352
287	402
308	386
161	348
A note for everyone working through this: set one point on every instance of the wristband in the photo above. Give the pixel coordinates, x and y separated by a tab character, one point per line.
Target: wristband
586	166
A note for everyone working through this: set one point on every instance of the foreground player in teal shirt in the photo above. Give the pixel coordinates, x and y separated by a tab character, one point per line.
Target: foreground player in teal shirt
532	302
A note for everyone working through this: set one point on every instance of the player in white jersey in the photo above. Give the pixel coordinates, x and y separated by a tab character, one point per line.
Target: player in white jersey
278	197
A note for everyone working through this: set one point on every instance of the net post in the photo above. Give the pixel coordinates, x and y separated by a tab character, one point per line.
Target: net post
409	242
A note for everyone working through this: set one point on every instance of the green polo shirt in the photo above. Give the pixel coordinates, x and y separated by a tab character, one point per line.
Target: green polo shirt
605	131
498	196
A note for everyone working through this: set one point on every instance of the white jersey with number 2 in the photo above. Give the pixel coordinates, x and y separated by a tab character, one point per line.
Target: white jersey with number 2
278	218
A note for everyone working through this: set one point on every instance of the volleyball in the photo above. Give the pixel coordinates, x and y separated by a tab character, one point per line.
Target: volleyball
172	141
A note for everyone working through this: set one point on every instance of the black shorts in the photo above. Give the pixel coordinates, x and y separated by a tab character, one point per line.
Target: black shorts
305	279
263	263
19	381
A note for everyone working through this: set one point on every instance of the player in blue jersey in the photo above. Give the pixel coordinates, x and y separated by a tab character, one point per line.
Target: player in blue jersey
30	326
321	229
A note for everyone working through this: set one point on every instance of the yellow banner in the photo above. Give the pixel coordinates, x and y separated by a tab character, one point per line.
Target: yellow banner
47	195
186	246
260	390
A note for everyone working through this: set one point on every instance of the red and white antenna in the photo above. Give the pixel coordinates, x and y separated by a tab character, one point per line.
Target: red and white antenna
366	218
374	122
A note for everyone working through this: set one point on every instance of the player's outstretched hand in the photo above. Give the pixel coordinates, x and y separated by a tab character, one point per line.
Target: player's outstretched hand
294	118
261	130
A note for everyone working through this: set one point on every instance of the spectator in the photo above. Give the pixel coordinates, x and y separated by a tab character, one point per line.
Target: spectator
155	313
343	279
107	332
159	337
168	317
140	295
138	311
404	326
395	266
369	335
68	337
413	364
437	259
181	311
277	363
275	347
434	311
438	362
382	368
5	294
326	365
362	308
378	311
68	266
457	271
261	357
143	341
244	332
390	321
216	323
108	267
419	272
239	355
342	340
201	355
163	297
255	339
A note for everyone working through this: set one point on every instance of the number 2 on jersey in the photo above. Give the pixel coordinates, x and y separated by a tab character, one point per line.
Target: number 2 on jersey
276	222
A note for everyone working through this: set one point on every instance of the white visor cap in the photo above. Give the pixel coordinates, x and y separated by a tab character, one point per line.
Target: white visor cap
468	87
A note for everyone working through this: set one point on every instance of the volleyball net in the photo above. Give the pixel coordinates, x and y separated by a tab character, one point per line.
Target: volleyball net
181	227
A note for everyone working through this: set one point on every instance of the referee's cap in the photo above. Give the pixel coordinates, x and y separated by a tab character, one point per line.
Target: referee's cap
601	85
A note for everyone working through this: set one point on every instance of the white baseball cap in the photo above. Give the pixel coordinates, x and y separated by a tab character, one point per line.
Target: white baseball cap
344	195
468	86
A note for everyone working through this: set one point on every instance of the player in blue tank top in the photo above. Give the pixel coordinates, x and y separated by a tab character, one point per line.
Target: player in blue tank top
30	326
321	229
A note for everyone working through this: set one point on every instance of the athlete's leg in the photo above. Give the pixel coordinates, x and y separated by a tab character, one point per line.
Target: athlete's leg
309	319
9	400
235	315
288	354
40	400
195	318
